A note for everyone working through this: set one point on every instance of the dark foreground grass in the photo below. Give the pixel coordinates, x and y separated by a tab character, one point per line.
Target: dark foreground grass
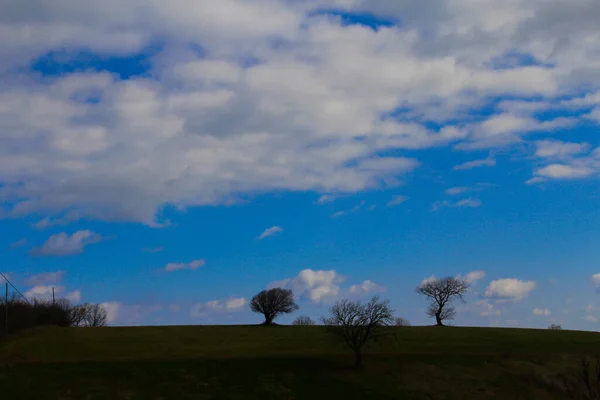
256	362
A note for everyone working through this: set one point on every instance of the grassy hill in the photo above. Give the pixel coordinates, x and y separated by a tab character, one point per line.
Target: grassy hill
254	362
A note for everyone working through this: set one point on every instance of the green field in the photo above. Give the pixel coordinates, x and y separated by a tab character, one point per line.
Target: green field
255	362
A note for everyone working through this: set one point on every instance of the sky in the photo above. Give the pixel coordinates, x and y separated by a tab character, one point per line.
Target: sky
170	160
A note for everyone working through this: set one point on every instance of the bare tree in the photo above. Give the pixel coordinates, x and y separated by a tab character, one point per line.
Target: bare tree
399	321
77	315
555	327
272	303
304	321
583	384
442	292
94	315
356	324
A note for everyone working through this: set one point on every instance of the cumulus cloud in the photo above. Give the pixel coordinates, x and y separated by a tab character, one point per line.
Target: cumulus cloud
45	278
218	306
317	286
558	149
44	292
563	171
487	309
270	232
112	310
397	200
310	115
366	287
541	312
195	264
61	244
509	289
474	276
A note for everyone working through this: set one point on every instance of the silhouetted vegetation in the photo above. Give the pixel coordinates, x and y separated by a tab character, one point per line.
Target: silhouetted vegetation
555	327
442	292
272	303
356	324
23	315
303	321
399	321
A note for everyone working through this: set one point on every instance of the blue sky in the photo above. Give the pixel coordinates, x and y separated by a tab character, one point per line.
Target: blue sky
170	161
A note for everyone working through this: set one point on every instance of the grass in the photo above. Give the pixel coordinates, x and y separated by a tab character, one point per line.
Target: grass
255	362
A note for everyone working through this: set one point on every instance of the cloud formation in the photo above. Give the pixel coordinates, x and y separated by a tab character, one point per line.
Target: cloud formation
317	286
322	101
195	264
270	232
61	244
509	289
218	306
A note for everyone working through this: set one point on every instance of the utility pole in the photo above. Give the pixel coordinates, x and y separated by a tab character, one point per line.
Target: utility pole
53	295
6	311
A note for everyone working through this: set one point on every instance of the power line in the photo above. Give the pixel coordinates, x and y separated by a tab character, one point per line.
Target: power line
13	286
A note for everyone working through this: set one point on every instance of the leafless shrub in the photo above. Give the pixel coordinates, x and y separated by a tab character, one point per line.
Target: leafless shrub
399	321
356	324
584	384
303	321
555	327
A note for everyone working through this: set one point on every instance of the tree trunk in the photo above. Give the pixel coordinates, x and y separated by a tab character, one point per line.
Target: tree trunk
358	359
438	319
268	319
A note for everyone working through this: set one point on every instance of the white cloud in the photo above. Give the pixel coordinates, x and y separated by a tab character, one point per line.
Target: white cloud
316	286
44	292
195	264
475	276
562	171
397	200
45	278
366	287
453	191
487	309
541	311
270	232
61	244
558	149
470	203
486	162
326	198
591	318
112	310
217	306
509	289
306	117
74	296
338	214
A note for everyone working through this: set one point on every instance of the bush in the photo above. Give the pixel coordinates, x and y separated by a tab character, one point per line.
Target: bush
399	321
24	315
303	321
555	327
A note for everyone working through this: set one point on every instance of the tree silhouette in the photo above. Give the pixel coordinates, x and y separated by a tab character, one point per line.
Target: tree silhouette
442	292
272	303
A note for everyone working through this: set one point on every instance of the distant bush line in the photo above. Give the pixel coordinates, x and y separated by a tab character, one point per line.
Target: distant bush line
24	315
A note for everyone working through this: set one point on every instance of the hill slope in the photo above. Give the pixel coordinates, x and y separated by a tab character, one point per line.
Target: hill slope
254	362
